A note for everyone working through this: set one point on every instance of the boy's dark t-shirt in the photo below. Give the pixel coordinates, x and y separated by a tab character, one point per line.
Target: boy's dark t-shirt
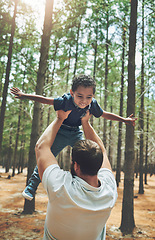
66	103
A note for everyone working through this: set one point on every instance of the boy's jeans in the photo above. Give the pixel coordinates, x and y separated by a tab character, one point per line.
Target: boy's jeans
66	136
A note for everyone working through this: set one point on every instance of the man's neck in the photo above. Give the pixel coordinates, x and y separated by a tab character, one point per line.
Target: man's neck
91	180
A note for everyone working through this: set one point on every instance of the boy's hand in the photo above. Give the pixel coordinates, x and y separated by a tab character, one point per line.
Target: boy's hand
62	114
130	120
86	117
18	94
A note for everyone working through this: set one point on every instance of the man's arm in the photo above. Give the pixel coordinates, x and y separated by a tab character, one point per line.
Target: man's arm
19	94
43	152
111	116
92	135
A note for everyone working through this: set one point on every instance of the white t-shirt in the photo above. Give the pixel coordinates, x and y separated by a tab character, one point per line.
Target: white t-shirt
77	210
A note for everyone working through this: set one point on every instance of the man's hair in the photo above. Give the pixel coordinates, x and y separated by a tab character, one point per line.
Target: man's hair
85	81
88	155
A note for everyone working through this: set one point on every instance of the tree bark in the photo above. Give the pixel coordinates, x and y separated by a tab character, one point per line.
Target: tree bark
119	144
128	223
17	137
77	47
110	152
8	161
141	113
29	206
106	79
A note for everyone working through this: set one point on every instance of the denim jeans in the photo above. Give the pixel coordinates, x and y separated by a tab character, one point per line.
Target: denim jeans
66	136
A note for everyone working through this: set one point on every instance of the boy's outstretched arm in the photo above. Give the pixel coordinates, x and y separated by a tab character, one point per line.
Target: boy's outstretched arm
111	116
19	94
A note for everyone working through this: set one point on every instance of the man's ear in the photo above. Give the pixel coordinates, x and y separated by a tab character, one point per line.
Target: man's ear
71	92
76	166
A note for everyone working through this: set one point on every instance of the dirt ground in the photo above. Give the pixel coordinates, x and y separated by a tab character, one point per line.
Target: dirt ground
14	225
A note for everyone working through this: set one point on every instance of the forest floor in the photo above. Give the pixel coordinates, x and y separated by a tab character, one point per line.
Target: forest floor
15	225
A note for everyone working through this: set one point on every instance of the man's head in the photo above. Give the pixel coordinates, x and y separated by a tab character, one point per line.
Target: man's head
88	155
83	90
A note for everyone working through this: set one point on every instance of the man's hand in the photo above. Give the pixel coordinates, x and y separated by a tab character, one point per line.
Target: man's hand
62	115
86	117
18	94
130	120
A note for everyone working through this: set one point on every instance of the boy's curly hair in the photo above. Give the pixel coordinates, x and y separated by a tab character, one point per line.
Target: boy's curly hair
85	81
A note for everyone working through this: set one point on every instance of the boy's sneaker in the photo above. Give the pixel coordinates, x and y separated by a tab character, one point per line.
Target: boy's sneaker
28	194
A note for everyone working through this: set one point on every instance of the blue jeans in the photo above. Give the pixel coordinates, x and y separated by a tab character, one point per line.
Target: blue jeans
66	136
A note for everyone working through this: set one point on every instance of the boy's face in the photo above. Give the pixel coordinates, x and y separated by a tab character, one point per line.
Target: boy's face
82	96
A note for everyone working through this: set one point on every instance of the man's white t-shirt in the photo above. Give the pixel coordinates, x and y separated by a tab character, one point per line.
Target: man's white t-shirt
77	210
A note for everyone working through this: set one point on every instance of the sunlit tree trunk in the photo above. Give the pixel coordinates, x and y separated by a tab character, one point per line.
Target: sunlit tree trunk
77	48
29	206
68	68
119	144
147	135
17	137
137	159
106	77
95	59
146	151
8	160
141	113
110	152
52	80
127	222
95	48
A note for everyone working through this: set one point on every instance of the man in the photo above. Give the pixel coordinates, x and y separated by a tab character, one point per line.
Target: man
80	202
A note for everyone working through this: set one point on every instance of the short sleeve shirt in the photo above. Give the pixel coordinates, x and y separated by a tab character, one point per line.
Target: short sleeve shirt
66	103
77	210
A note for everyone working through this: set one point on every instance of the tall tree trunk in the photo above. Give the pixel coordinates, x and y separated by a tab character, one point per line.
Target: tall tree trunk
106	77
6	84
21	156
8	160
29	206
17	137
52	80
99	119
137	159
119	144
95	48
146	151
77	48
141	113
68	68
147	136
95	57
110	153
128	223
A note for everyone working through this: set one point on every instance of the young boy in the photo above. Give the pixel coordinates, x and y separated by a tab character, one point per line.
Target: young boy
79	101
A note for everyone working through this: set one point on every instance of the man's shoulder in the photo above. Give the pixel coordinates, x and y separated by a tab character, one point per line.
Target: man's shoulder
55	177
107	177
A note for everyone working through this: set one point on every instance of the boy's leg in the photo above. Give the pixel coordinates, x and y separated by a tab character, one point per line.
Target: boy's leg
32	186
61	141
